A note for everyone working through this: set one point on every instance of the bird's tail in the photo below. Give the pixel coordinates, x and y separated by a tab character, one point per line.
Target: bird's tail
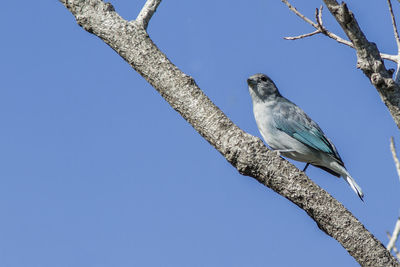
353	185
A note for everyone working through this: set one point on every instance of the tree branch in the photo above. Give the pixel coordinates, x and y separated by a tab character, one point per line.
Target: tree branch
246	153
147	12
321	29
368	58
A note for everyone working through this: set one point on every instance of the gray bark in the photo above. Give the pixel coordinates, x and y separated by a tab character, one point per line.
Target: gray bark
245	152
368	58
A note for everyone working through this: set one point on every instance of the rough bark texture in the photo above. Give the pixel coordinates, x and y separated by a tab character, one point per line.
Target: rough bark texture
245	152
368	58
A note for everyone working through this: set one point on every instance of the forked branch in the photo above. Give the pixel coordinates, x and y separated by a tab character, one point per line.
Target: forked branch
320	28
369	58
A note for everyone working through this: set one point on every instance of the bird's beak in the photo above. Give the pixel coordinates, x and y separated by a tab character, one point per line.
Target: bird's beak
251	82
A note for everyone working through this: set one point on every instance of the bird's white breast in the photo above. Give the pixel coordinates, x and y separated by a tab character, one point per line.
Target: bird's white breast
265	123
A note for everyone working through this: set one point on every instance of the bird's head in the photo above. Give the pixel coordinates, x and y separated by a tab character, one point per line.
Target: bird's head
261	87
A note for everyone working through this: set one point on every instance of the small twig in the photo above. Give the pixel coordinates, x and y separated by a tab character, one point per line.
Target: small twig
396	36
147	12
396	33
320	28
396	251
396	230
395	235
319	17
302	36
394	154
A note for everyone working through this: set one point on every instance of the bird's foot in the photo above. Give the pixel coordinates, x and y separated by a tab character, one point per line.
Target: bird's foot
305	168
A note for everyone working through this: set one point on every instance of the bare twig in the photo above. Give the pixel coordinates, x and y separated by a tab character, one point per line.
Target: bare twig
320	28
319	17
394	154
302	36
394	58
147	12
337	38
396	33
395	250
395	235
396	36
396	231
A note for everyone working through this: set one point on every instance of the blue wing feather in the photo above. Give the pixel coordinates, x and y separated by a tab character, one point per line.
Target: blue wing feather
294	122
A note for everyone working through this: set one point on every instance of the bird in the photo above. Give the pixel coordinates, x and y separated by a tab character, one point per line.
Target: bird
287	129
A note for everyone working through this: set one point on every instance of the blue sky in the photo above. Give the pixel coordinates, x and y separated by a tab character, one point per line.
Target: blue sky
96	169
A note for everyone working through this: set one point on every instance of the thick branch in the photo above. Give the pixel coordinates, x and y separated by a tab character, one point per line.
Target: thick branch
368	58
245	152
147	12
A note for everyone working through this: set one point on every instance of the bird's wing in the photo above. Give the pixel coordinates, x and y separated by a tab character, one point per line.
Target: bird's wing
292	120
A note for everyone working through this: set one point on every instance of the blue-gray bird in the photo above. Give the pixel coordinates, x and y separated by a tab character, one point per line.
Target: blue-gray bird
287	129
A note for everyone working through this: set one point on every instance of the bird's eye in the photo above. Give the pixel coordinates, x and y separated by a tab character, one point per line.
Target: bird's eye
264	79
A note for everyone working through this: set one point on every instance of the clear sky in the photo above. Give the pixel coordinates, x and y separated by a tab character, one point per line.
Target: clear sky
96	169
